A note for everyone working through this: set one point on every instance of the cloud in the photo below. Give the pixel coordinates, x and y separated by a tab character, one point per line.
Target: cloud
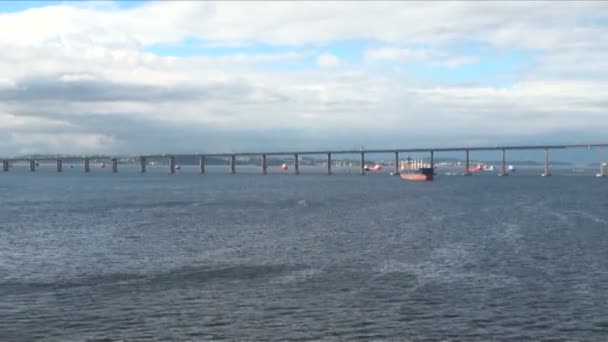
401	55
87	78
328	60
418	56
83	87
458	61
316	22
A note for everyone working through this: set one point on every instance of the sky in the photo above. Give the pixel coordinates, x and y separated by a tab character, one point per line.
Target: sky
189	77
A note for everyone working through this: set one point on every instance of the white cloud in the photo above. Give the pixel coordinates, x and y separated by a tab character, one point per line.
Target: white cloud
82	76
11	121
457	61
414	56
401	55
328	60
6	83
71	143
529	24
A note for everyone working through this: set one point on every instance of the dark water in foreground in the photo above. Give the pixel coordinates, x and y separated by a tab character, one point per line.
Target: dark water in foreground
185	257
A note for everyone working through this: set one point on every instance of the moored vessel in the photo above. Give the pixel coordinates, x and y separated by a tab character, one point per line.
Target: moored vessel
424	174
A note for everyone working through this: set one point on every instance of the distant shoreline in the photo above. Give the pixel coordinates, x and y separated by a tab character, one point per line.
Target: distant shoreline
307	161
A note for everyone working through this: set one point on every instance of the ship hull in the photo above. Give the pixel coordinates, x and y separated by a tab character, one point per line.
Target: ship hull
414	177
423	175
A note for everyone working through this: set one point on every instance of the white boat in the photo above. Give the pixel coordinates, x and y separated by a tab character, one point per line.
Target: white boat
602	170
511	168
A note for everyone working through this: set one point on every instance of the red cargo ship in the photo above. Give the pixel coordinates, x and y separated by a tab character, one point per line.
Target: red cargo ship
424	174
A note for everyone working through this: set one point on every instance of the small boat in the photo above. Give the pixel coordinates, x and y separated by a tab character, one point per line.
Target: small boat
376	167
602	170
477	168
101	165
178	167
511	168
424	174
284	167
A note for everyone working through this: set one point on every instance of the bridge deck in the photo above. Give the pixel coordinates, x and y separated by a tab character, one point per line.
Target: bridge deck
319	152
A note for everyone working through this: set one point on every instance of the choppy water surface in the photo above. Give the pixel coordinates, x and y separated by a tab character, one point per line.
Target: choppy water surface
312	257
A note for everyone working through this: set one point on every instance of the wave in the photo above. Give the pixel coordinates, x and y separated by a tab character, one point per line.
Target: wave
183	275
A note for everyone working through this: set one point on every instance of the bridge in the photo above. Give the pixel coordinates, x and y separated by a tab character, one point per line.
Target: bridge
143	159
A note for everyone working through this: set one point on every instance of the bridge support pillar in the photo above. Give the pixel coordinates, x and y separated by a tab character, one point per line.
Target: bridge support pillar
546	172
201	165
264	165
396	162
466	164
171	165
233	164
32	165
87	167
142	164
114	165
296	160
329	163
5	165
59	165
432	162
362	163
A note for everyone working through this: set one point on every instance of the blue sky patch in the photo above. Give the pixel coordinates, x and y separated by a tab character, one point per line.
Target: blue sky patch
499	71
19	6
190	46
491	67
